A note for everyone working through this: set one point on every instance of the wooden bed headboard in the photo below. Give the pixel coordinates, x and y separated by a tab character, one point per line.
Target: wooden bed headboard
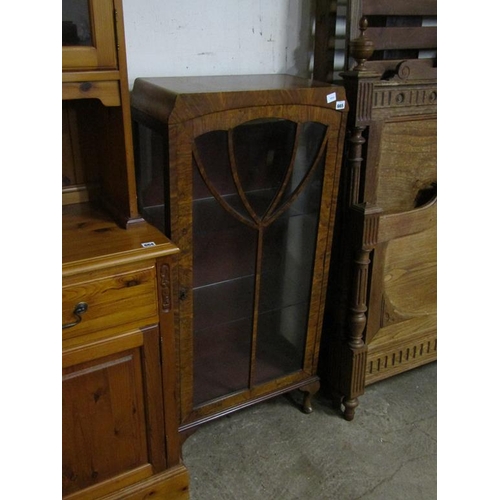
382	315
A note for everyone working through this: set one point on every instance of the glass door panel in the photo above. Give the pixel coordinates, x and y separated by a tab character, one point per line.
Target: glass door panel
223	278
76	24
289	248
256	201
88	35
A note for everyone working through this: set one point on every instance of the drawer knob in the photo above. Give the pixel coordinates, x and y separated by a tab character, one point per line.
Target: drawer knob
85	86
79	309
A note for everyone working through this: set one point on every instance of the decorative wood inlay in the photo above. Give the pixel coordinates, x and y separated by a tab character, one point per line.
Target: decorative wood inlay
279	195
414	353
256	222
166	301
270	218
236	178
404	96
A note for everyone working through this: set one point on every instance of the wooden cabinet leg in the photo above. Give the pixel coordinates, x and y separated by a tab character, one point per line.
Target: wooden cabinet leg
306	404
350	406
309	391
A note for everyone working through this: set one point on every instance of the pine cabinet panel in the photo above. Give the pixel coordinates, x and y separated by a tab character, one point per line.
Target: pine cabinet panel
120	403
104	427
119	284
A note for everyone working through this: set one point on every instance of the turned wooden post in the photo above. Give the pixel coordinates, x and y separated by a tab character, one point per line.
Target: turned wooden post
361	223
365	220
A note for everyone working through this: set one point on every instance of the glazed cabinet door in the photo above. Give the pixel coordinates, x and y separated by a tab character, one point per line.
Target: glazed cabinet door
256	202
88	35
112	431
257	225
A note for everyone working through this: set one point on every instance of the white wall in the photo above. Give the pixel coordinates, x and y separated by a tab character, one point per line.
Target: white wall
218	37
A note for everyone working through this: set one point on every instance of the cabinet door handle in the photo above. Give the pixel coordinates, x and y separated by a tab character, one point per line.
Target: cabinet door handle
80	308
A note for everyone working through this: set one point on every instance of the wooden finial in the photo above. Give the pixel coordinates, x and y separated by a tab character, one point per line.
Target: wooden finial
362	47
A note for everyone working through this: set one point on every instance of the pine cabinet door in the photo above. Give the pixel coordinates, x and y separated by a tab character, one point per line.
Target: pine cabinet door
110	437
88	35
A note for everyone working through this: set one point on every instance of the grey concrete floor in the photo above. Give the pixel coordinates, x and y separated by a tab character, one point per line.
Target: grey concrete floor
273	451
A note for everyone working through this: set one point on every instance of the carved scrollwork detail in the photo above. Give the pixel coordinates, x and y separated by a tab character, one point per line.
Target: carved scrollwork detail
409	96
404	70
166	300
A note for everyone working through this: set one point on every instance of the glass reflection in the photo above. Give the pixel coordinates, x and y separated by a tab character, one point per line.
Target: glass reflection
76	26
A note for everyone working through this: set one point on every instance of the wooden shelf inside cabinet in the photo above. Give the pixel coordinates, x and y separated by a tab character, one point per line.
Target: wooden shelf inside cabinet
242	173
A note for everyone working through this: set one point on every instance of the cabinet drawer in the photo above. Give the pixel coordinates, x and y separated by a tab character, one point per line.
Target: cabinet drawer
107	92
128	298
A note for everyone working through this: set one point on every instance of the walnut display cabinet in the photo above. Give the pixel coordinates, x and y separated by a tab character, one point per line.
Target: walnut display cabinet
120	438
242	174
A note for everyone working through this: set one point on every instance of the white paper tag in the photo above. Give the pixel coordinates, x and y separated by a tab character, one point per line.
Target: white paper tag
149	244
331	97
340	105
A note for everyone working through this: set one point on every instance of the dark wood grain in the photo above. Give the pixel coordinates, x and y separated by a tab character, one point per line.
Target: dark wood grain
385	263
104	427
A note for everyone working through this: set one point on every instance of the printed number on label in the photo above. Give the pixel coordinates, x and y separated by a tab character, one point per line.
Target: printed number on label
149	244
340	105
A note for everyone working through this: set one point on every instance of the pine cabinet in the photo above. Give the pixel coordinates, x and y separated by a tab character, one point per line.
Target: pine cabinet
119	419
97	159
120	438
242	174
